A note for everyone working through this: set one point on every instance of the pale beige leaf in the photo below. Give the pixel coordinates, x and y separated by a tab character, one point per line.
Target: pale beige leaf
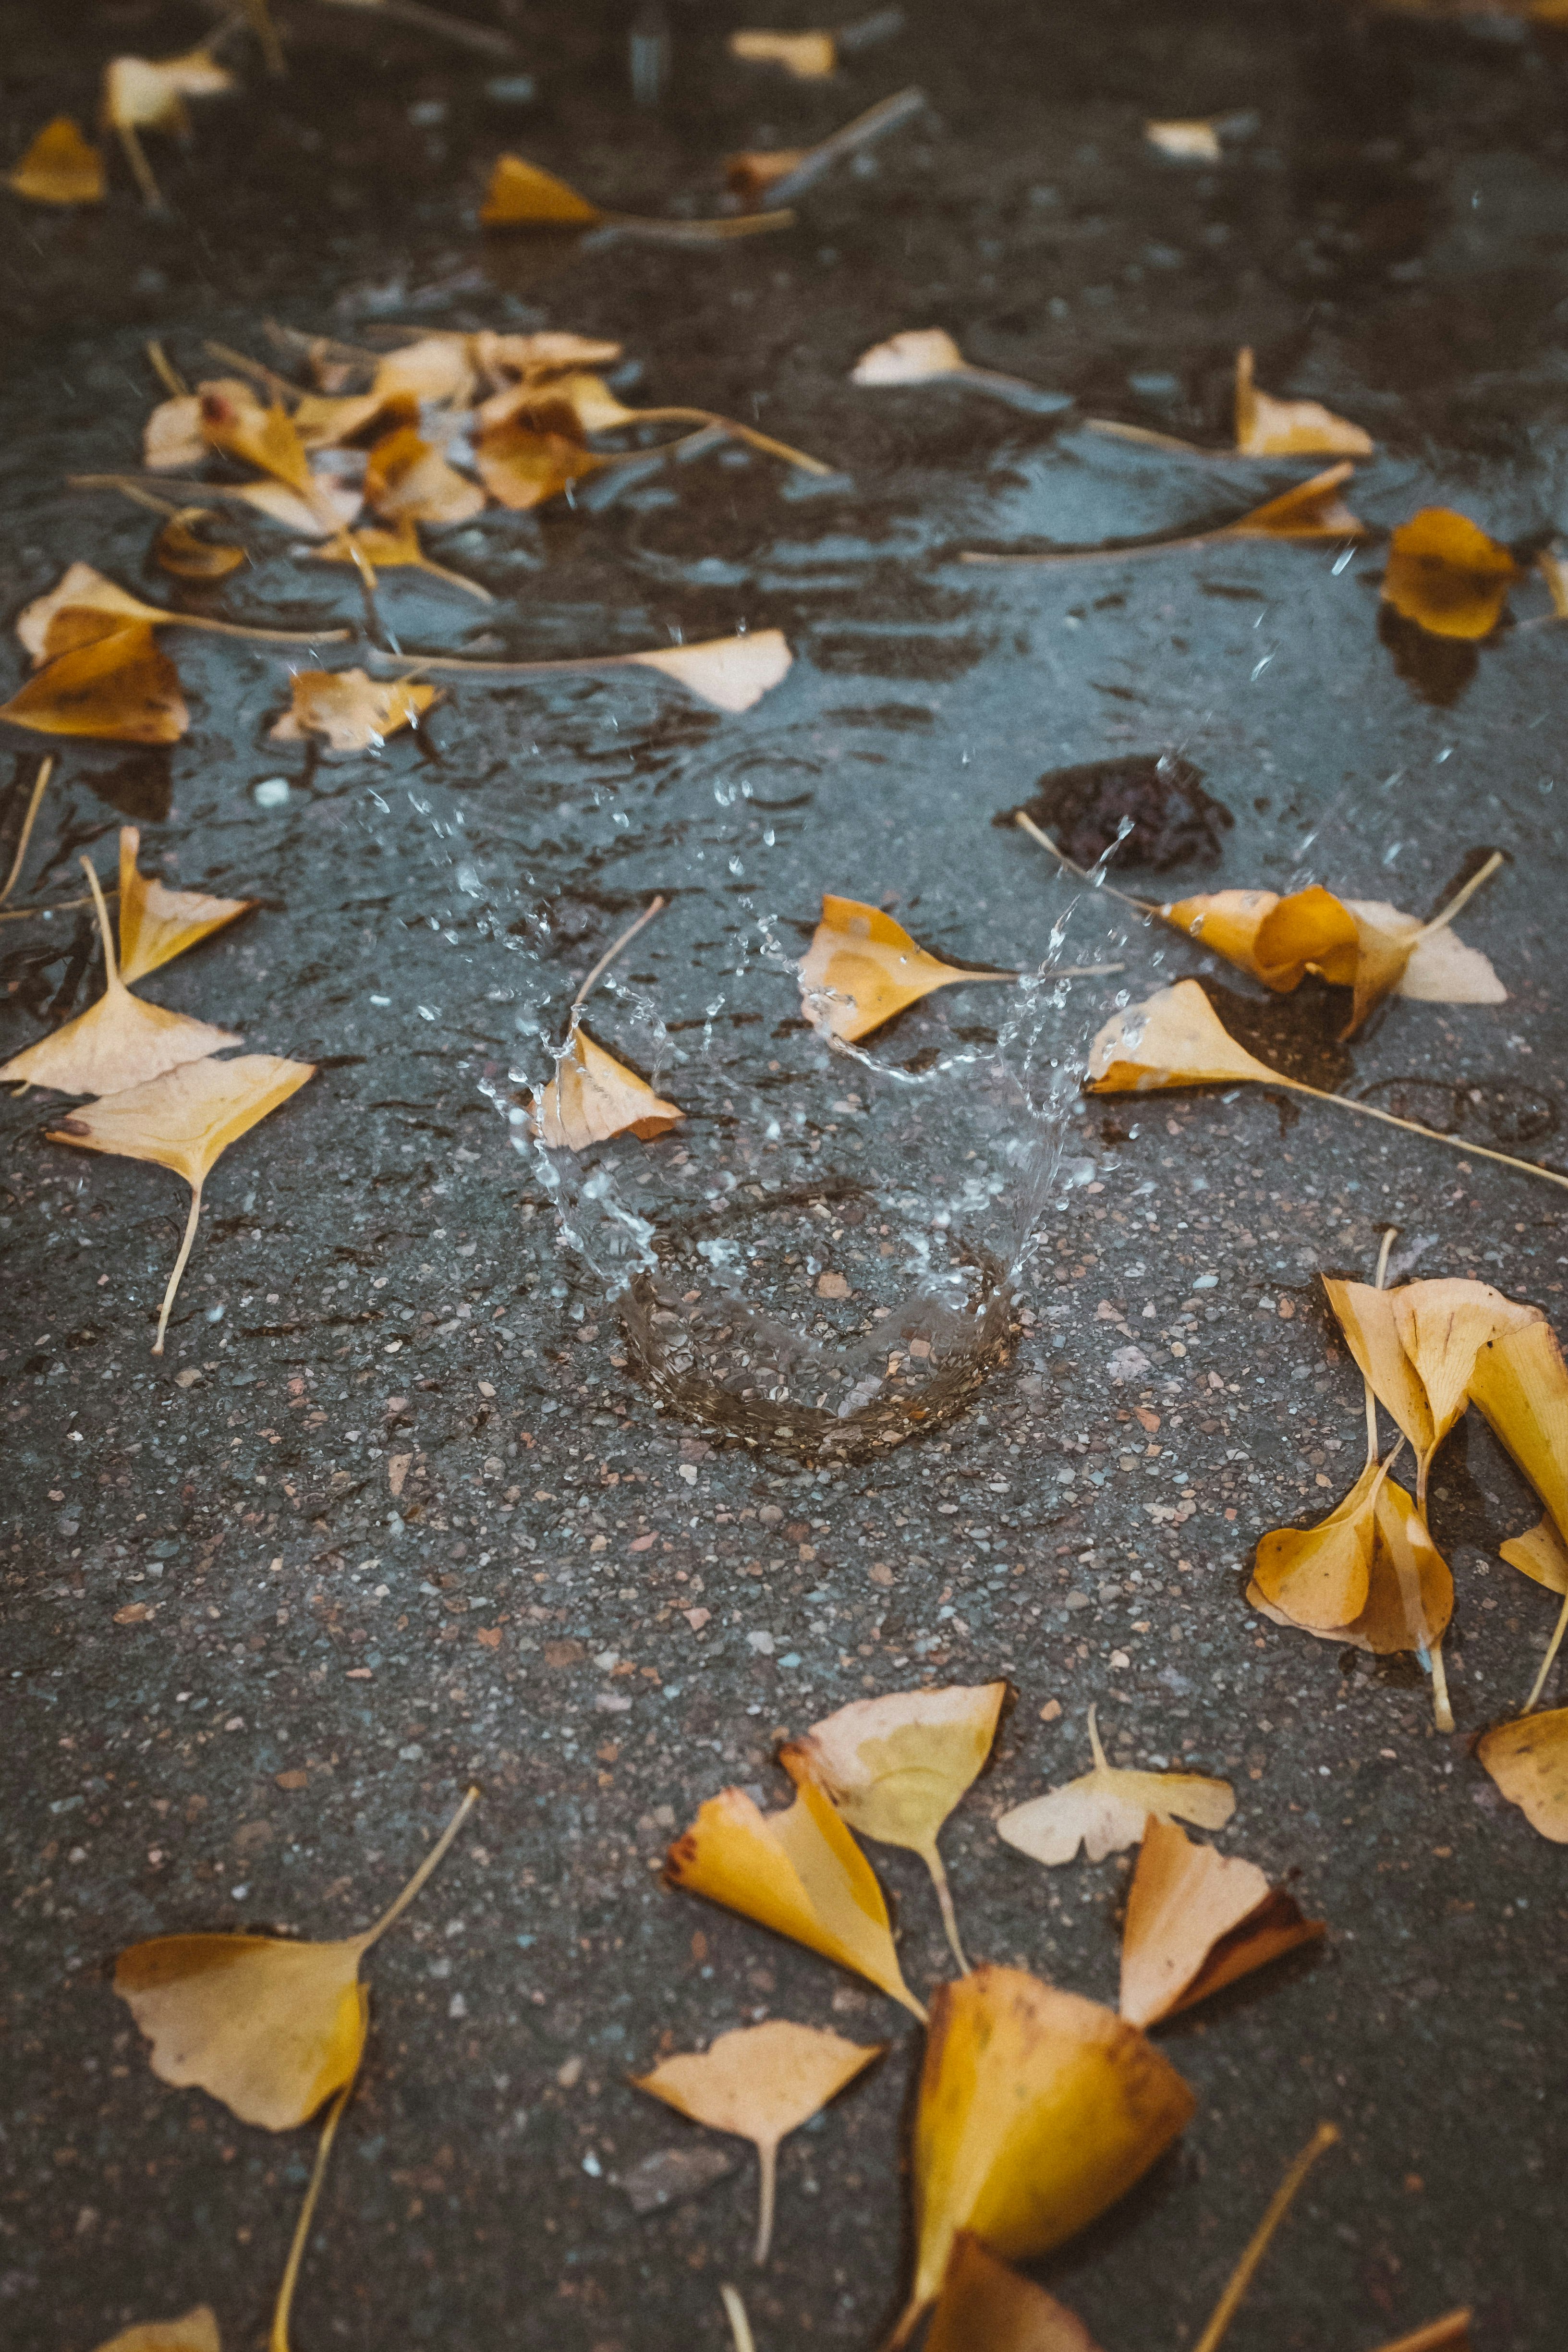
1106	1808
1266	428
918	355
1441	969
732	673
1194	140
336	504
594	1096
1441	1327
173	441
354	711
809	56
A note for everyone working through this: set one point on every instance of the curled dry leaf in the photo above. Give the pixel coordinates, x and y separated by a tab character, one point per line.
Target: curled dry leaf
1266	428
809	56
1442	1327
185	1121
354	711
1528	1762
1521	1384
1037	2109
1319	1576
121	687
1313	510
197	2331
761	2083
1106	1808
407	479
800	1873
60	167
1198	1920
180	548
1374	1558
1193	139
156	924
984	2306
1446	575
862	968
273	2029
1539	1553
594	1096
522	467
117	1043
896	1767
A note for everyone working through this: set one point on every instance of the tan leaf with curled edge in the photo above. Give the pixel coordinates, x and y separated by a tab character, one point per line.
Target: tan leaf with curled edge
1266	428
1409	1593
272	2028
1442	1328
1198	1920
1521	1384
1280	941
1037	2109
117	1043
354	711
594	1096
1312	509
800	1873
1105	1809
896	1767
984	2306
156	924
1445	575
524	195
185	1121
862	968
197	2331
761	2083
407	479
1320	1576
1528	1762
180	549
1365	1315
809	56
60	167
117	688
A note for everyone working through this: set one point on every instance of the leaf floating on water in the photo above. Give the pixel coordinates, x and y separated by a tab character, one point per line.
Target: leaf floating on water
1528	1762
1193	139
984	2306
1266	428
800	1873
1105	1809
522	194
761	2083
1037	2109
732	673
60	167
156	924
862	968
120	689
179	548
1198	1920
594	1096
1446	575
808	56
185	1121
354	711
272	2028
197	2331
896	1767
407	479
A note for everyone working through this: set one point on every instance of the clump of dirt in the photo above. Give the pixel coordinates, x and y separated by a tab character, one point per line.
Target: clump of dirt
1174	821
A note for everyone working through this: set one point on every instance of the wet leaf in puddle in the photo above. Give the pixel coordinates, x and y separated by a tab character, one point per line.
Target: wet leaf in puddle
1266	428
60	167
800	1873
896	1767
862	968
1528	1762
1446	575
375	551
808	56
1198	1920
1313	510
196	2331
1105	1809
354	711
180	548
983	2304
407	479
732	673
761	2083
594	1096
156	924
522	467
272	2028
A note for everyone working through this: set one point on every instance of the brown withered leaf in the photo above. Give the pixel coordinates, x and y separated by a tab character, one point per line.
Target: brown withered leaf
272	2028
196	2331
156	924
862	968
1198	1920
1528	1762
808	56
354	711
761	2083
407	479
60	167
185	1121
1445	575
1106	1808
984	2306
1266	428
180	548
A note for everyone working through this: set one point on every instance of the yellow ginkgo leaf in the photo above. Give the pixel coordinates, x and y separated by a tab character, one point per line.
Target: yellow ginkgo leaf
407	479
522	194
60	167
862	968
1319	1576
984	2306
273	2029
809	56
800	1873
594	1096
1519	1383
185	1121
372	550
1366	1317
1173	1039
1037	2109
119	687
239	425
1539	1553
1312	509
1446	575
1528	1762
1356	944
918	355
895	1768
1266	428
197	2331
1106	1808
1198	1920
117	1043
1442	1327
761	2083
732	673
156	924
354	711
523	468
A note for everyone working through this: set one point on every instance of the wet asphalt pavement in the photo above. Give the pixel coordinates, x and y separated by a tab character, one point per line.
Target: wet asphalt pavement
394	1513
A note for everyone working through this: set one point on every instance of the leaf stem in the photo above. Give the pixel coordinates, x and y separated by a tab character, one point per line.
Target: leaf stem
1146	440
112	981
1279	2205
45	769
1411	1127
1461	897
1097	1751
938	1868
279	2340
167	374
766	2192
1445	2335
180	1265
1026	823
431	1861
740	2326
1547	1661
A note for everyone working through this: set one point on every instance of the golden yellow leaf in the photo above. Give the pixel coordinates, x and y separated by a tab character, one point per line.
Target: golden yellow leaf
173	441
522	467
78	589
1366	1317
407	479
918	355
60	167
522	194
862	968
180	548
761	2083
1312	509
800	1873
185	1121
389	550
1280	941
594	1096
117	1043
121	687
239	425
197	2331
1519	1382
1528	1762
1198	1920
437	368
809	56
1193	139
156	924
1442	1326
1037	2109
1320	1576
984	2306
1173	1039
273	2029
1105	1809
1445	575
896	1767
354	711
1539	1553
1266	428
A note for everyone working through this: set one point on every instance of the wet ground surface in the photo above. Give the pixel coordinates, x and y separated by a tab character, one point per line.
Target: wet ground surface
394	1511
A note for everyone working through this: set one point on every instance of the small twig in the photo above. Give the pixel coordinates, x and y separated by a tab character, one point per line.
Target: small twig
1225	2310
677	232
142	169
1412	1127
258	15
1127	550
888	114
1444	2335
1461	897
654	907
1146	440
167	374
45	769
66	907
740	2326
